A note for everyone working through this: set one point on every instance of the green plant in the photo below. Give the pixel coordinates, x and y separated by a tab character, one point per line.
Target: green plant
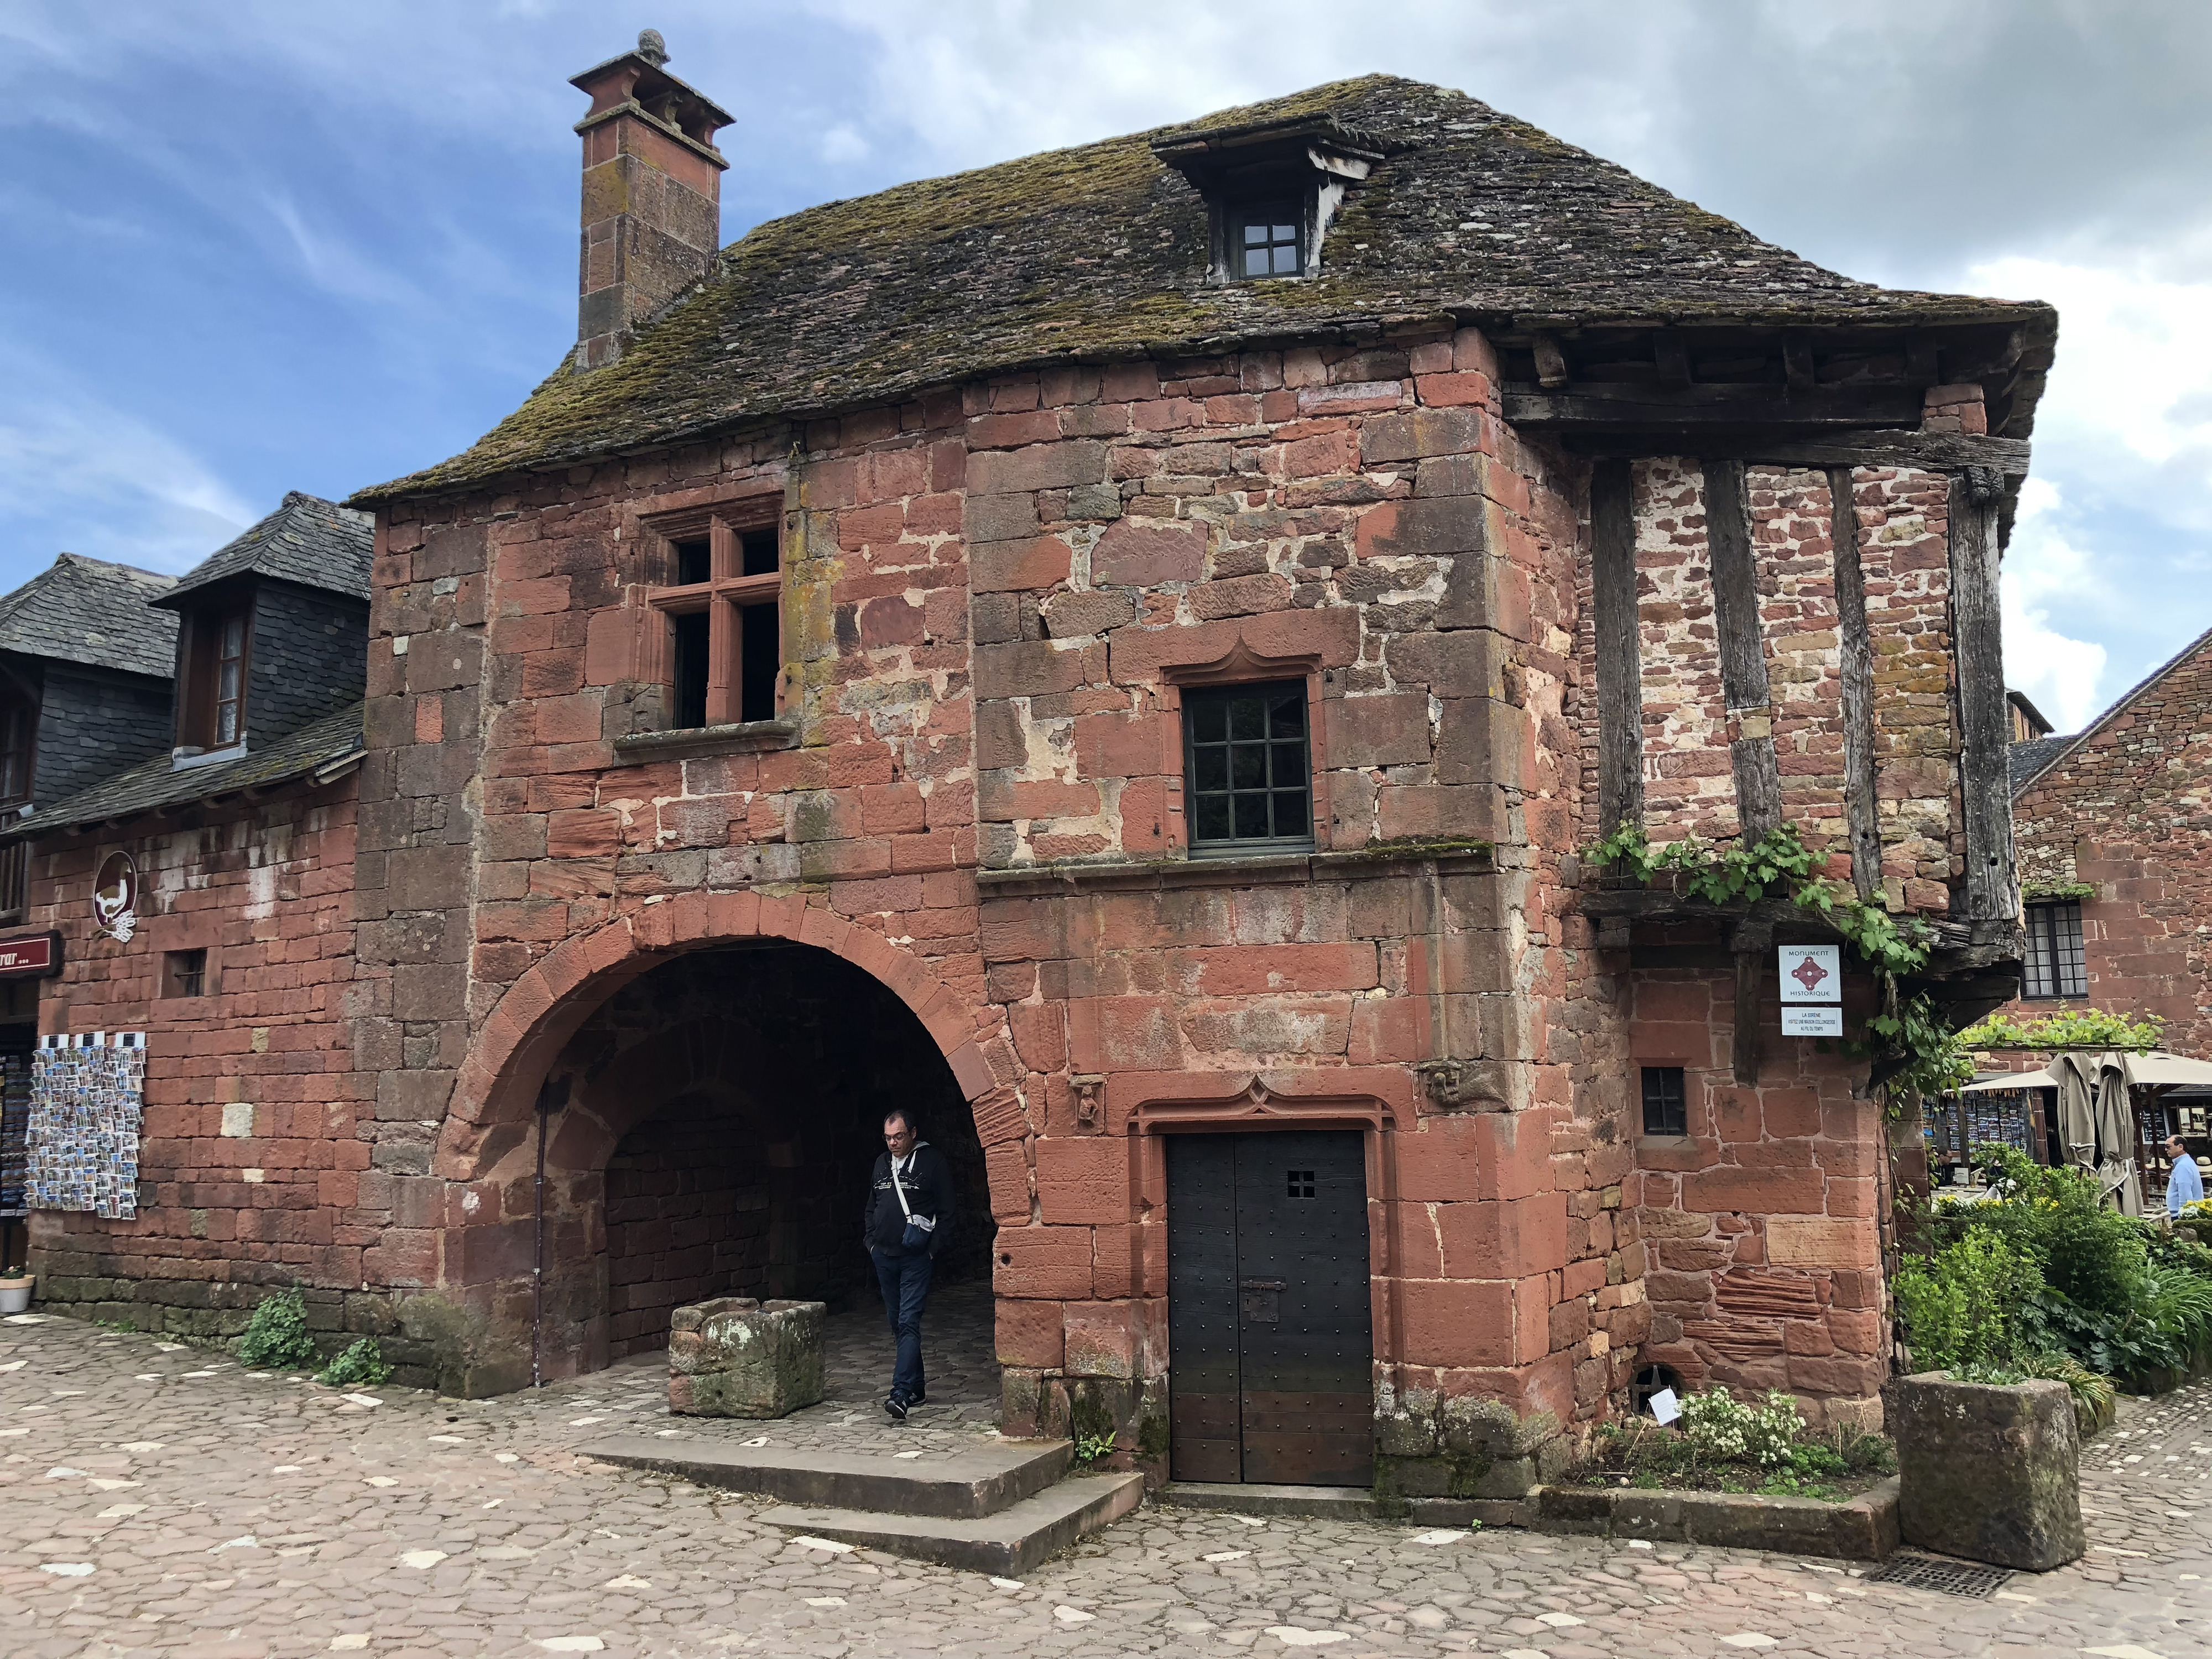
1720	1427
361	1364
2094	1393
277	1337
1914	1051
2058	890
1091	1448
1962	1307
2068	1027
19	1271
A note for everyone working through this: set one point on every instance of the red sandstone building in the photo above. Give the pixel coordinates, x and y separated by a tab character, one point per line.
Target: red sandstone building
1120	650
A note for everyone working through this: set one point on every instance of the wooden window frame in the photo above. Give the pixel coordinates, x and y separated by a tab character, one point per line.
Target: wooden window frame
2049	916
1244	846
724	597
1234	209
15	703
197	707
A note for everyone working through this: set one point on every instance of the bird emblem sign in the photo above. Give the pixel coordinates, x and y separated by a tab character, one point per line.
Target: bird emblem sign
115	898
1812	972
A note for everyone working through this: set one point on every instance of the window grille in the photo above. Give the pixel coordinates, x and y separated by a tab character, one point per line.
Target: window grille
1247	782
1666	1102
724	609
2055	963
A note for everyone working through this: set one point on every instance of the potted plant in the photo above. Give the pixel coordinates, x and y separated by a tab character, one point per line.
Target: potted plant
15	1285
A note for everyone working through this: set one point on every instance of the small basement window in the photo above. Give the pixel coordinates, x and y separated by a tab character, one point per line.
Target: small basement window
1247	782
184	973
1666	1103
1267	238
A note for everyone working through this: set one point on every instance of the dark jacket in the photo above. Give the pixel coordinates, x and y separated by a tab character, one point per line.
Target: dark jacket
928	1191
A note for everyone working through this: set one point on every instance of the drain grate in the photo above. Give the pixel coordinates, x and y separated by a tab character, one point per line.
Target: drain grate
1933	1572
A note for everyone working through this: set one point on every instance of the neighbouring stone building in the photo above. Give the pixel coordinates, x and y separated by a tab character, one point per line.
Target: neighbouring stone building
1122	649
2115	839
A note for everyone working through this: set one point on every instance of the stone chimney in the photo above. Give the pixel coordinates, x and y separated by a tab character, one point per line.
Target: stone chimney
653	195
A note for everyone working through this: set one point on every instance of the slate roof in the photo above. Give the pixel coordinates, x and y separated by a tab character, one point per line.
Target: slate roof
1100	252
2025	761
2021	780
308	540
155	783
88	610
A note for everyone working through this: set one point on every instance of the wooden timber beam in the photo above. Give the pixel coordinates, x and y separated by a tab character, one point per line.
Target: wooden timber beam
1551	361
1601	406
1985	730
1931	452
1743	656
1671	352
1854	653
1752	942
1619	651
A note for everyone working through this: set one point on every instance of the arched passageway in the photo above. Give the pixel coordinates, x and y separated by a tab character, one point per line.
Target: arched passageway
720	1115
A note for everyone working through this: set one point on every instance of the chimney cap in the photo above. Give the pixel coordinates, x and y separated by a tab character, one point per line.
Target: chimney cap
634	82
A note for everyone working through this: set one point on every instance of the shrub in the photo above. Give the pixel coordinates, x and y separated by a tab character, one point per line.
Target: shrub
361	1364
277	1337
1722	1429
1963	1307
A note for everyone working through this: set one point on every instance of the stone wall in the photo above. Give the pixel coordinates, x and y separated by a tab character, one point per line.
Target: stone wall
2128	812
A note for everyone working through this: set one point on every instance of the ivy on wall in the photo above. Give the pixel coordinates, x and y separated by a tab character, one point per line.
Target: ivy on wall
2066	1029
1913	1047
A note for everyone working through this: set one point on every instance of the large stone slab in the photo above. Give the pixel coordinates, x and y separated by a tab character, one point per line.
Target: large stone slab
976	1481
1862	1528
1011	1541
737	1356
1988	1472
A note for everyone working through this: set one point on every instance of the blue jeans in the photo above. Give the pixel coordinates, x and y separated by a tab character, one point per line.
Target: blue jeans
904	1280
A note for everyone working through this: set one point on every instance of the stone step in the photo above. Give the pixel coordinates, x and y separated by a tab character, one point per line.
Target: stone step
1254	1498
977	1480
1007	1544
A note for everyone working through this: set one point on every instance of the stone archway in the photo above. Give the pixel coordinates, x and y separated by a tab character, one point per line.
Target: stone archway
527	1051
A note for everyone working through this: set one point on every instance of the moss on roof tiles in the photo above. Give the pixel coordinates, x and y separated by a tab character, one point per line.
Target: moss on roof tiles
1099	253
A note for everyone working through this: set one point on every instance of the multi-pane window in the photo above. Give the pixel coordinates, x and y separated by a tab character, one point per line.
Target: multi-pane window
214	686
724	622
2055	964
18	724
1666	1105
1266	239
1247	782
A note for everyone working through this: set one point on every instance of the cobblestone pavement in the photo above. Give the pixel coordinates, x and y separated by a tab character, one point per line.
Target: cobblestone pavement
160	1500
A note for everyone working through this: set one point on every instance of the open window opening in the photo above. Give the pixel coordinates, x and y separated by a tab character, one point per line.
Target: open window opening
213	706
724	610
184	973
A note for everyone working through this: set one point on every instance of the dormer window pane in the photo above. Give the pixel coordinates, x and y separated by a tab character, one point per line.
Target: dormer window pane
230	680
1268	240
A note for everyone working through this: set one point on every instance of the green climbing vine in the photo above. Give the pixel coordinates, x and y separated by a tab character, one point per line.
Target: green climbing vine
2068	1027
1917	1050
2034	890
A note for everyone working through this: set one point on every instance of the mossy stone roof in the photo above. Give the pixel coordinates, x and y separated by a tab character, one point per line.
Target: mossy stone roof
1100	252
95	612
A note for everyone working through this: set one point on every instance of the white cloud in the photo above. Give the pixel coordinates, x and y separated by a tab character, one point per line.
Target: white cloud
85	477
2044	570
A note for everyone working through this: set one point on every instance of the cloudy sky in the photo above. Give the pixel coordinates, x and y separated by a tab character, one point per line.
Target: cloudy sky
251	247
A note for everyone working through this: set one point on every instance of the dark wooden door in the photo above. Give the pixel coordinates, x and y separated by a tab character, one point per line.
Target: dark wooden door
1270	1345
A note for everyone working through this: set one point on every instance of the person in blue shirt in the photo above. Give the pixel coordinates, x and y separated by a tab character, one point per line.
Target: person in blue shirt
2184	1186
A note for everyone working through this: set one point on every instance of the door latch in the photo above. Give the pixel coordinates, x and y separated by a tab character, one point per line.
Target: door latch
1259	1300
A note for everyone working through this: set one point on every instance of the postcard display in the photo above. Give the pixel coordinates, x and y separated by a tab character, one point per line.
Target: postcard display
88	1094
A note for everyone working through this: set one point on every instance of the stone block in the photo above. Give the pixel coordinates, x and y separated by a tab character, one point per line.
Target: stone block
737	1357
1987	1473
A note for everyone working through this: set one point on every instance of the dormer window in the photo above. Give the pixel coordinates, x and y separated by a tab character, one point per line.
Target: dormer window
213	707
1271	189
1267	238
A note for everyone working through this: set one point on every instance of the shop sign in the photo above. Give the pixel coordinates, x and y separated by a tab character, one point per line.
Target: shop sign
115	898
30	955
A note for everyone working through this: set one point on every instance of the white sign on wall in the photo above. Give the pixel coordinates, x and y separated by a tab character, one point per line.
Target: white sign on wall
1813	1022
1811	973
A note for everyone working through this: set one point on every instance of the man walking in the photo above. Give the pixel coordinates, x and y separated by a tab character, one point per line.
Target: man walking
2184	1185
909	1209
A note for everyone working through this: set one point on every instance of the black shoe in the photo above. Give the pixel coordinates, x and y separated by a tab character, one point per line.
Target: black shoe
918	1400
896	1407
